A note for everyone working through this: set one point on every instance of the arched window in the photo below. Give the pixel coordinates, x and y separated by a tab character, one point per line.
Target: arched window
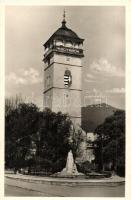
76	46
68	44
46	49
59	43
80	46
67	78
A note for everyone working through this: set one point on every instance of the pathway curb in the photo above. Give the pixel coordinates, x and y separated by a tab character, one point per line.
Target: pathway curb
113	181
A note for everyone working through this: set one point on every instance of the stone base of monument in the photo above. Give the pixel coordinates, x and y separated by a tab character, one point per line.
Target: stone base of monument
65	174
70	171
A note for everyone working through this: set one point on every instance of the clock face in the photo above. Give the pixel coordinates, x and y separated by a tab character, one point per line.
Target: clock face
67	78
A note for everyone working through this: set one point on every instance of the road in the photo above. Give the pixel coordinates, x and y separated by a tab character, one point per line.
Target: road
20	192
21	188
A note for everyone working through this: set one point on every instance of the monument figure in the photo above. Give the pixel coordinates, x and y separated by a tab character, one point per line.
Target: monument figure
71	168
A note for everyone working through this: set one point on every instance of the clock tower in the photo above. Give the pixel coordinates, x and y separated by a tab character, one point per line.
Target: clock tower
63	72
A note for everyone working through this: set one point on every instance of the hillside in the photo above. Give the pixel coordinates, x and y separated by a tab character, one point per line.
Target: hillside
93	115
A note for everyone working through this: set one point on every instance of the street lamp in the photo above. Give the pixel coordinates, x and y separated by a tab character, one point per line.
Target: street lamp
102	137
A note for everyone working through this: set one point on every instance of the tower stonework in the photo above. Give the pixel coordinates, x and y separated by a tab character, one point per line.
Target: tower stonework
63	72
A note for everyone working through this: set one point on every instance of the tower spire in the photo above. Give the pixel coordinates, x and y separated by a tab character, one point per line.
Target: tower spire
64	21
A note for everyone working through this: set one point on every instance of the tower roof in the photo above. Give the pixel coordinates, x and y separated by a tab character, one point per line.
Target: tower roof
64	33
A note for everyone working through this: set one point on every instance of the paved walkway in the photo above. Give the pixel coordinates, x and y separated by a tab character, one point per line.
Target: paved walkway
112	180
24	185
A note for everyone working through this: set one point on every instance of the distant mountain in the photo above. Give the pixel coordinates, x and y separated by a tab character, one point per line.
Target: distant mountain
93	115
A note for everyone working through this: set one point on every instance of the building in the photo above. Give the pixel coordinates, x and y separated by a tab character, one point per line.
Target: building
63	72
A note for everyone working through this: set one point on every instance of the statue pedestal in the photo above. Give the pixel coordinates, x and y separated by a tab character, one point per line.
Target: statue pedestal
70	170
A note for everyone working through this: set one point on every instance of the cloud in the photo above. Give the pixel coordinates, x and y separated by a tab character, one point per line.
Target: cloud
102	66
24	77
116	91
90	78
32	75
90	81
14	78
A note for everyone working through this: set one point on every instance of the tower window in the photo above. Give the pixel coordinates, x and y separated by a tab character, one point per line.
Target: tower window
67	78
66	100
49	61
76	46
68	44
48	78
59	43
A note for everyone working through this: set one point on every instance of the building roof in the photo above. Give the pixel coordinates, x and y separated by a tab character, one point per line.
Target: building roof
65	33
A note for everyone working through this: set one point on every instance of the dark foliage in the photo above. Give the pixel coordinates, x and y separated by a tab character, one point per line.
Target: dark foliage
54	140
20	125
36	139
111	143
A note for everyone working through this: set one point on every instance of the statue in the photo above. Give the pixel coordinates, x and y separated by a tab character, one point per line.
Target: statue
71	168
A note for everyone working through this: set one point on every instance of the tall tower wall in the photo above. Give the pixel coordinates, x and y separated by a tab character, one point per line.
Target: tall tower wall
63	73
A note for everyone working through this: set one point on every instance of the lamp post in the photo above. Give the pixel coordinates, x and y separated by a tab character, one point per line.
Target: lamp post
102	137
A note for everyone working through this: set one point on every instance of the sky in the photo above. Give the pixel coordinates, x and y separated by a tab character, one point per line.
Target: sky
27	28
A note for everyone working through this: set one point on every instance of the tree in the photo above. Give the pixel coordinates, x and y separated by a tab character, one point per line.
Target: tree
12	103
53	145
111	142
21	123
36	139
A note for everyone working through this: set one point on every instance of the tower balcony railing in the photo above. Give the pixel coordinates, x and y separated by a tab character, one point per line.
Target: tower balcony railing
63	49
